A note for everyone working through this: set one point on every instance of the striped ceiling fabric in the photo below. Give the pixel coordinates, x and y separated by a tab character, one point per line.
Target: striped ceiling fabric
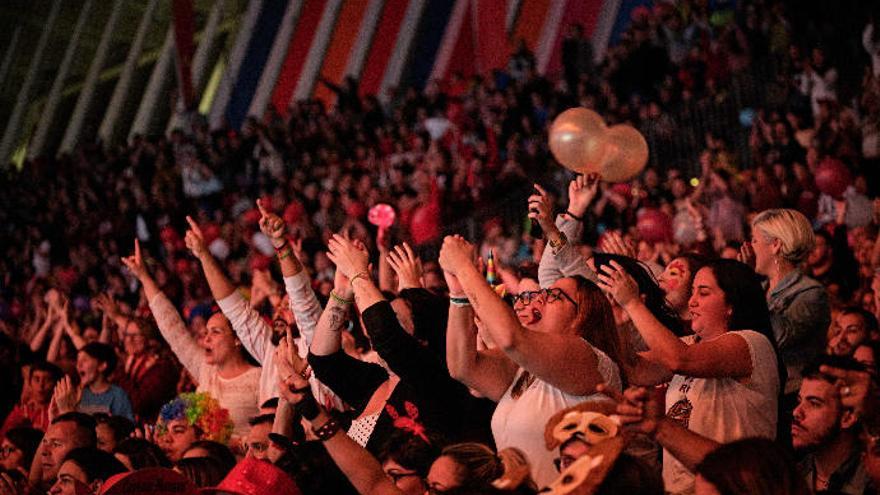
297	52
345	36
530	23
387	43
382	47
258	51
276	58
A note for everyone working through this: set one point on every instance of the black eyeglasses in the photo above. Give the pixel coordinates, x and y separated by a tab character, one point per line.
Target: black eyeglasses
552	294
5	451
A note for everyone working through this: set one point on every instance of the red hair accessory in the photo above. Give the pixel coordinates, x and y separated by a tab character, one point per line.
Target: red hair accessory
409	422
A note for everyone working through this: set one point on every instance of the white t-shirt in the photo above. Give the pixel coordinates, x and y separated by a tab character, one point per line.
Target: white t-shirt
239	395
723	409
520	422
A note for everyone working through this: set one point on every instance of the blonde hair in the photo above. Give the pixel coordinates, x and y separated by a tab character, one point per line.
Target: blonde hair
792	229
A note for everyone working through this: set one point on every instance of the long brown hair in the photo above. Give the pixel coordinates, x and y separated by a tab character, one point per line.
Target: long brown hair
595	319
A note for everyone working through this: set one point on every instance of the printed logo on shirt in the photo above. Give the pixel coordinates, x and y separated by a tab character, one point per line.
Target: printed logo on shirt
680	412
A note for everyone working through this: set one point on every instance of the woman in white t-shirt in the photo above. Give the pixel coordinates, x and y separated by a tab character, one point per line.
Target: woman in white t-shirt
543	360
726	377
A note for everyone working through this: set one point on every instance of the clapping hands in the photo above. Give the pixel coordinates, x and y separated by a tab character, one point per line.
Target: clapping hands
407	266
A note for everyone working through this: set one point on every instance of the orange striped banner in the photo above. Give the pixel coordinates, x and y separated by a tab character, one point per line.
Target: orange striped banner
529	23
344	37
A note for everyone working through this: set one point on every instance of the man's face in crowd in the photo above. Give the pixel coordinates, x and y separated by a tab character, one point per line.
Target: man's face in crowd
848	335
42	384
60	439
257	441
177	438
819	416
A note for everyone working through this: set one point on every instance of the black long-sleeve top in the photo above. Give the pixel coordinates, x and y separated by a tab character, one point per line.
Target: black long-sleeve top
444	405
421	368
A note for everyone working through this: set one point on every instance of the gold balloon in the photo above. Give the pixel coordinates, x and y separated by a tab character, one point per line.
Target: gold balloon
626	154
576	139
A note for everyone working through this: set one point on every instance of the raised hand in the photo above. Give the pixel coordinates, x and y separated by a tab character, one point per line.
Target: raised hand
638	408
65	398
195	239
407	266
293	380
746	254
135	262
613	243
856	388
107	305
455	254
614	280
272	226
541	208
349	257
581	192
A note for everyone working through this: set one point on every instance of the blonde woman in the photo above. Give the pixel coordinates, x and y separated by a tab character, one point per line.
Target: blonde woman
799	309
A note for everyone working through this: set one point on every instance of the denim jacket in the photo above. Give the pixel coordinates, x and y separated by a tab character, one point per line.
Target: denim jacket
800	315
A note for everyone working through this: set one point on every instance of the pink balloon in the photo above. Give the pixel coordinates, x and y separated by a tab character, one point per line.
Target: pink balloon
653	225
382	216
832	177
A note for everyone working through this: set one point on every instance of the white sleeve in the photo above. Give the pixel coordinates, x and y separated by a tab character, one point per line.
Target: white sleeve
305	306
255	334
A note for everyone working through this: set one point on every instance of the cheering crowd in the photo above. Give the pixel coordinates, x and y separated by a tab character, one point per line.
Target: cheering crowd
218	309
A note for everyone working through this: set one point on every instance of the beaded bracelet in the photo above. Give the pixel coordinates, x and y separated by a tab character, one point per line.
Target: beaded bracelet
284	254
327	430
340	300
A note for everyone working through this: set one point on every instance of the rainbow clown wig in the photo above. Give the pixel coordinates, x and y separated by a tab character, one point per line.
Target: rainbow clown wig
200	411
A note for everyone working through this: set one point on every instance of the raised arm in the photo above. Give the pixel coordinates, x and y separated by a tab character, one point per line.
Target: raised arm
107	305
353	261
551	357
359	466
40	337
488	372
561	258
303	303
328	336
724	356
221	286
168	320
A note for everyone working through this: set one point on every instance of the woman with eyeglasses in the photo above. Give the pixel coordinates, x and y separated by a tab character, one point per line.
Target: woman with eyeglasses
147	375
726	378
547	354
18	448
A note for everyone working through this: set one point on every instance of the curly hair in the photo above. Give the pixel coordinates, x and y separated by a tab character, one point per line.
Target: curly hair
201	411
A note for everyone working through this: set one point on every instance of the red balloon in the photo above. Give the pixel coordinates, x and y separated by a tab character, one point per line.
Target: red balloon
653	225
832	177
